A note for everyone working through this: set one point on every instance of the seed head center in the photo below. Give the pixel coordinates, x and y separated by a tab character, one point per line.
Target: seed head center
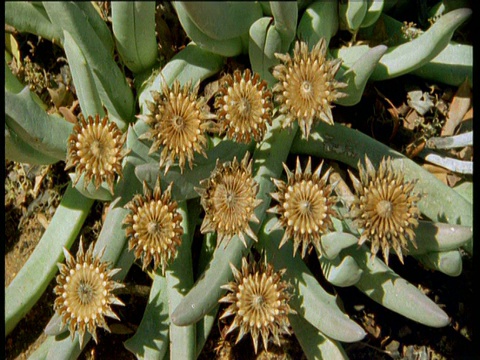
305	206
85	293
306	89
244	107
230	198
178	122
384	208
96	148
153	227
258	301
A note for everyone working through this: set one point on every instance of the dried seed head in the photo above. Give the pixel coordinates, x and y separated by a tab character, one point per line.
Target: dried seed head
178	120
305	207
229	200
306	85
258	299
154	226
85	292
95	148
244	106
385	207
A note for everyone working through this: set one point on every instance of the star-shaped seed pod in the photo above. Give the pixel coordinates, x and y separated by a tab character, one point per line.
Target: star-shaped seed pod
258	301
95	148
228	197
178	120
385	208
85	292
154	226
244	106
306	85
305	207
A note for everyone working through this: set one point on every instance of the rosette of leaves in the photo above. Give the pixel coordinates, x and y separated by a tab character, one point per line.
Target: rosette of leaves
183	303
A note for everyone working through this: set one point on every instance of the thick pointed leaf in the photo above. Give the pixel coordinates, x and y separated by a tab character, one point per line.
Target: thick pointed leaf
341	272
314	344
206	292
18	150
191	64
357	75
435	237
320	20
111	84
82	76
334	242
410	56
439	202
448	262
151	340
32	280
179	277
383	285
351	14
310	300
45	133
228	47
31	17
285	15
133	25
221	20
265	40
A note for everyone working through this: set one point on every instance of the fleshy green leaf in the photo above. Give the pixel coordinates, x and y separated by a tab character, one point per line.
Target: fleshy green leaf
439	202
264	42
320	20
314	344
151	340
191	64
405	58
111	84
310	300
221	20
32	280
82	76
206	292
358	74
448	262
383	285
31	17
45	133
434	237
133	25
179	277
341	272
374	10
351	14
334	242
228	47
18	150
452	66
285	15
102	193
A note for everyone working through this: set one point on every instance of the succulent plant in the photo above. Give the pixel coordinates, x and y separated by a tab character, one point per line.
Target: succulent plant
132	152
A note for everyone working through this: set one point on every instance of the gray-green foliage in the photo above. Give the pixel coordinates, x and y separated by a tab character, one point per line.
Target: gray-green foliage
176	323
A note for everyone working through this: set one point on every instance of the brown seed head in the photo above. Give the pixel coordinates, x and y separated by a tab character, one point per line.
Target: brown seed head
258	299
305	207
229	200
306	86
85	292
178	120
95	148
244	106
385	207
154	226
